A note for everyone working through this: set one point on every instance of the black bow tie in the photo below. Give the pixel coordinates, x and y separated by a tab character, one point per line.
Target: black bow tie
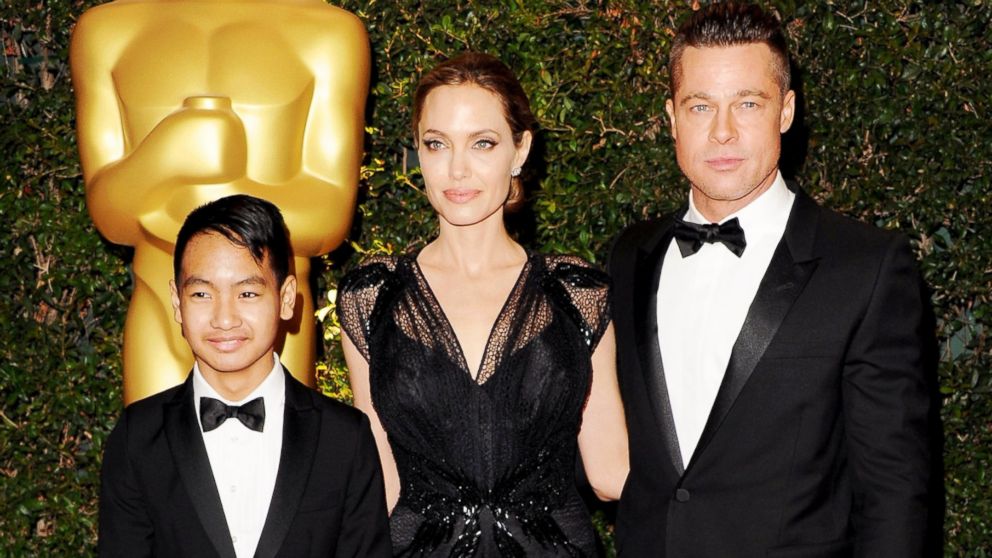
213	413
691	236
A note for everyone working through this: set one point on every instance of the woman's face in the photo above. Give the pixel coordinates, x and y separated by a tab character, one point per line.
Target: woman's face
466	153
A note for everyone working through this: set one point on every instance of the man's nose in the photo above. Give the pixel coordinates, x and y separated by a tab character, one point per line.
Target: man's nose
724	128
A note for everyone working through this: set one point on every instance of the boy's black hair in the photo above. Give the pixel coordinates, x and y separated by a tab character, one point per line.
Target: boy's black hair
246	221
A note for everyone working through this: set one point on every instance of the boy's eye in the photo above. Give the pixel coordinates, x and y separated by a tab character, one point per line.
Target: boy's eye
249	294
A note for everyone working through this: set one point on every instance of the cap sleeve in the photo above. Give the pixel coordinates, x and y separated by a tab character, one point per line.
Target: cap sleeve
360	299
585	295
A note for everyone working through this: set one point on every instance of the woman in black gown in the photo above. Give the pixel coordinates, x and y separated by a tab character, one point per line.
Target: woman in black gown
483	366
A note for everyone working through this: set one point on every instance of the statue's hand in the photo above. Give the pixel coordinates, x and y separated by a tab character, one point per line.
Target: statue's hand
201	143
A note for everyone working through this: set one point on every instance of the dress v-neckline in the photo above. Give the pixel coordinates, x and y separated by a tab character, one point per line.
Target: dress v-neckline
476	378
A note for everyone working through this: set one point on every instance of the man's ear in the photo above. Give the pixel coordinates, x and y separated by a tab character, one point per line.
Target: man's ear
788	111
177	313
287	297
670	109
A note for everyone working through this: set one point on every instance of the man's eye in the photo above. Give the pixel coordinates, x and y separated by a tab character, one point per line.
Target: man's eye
749	104
699	108
198	294
250	294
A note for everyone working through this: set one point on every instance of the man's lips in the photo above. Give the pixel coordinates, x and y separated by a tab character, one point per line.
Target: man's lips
461	195
724	163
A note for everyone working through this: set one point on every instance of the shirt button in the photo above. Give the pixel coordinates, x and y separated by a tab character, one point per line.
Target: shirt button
234	539
682	495
235	489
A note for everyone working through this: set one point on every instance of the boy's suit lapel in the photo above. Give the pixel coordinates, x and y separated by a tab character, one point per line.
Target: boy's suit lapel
301	431
182	430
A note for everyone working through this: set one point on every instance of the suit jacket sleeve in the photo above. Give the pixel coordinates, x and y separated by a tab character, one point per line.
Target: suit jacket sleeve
365	526
885	406
125	529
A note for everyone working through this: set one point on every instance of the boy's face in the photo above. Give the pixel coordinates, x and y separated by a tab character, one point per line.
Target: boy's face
230	307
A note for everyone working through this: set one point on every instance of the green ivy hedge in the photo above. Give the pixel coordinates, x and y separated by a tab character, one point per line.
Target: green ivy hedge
894	129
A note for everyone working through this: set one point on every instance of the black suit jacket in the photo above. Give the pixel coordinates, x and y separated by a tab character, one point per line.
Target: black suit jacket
816	443
158	497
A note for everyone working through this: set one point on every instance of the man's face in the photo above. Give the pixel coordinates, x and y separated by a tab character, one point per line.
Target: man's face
230	307
727	117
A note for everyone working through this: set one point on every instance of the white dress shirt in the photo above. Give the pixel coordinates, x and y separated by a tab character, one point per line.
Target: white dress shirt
703	300
244	462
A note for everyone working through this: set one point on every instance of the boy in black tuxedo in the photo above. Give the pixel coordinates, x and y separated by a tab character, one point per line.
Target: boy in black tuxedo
240	460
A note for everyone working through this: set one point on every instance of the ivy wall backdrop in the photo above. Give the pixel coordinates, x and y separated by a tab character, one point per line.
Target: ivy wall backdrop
894	129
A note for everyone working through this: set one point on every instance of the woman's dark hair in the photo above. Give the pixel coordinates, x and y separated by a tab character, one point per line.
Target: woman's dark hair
246	221
489	73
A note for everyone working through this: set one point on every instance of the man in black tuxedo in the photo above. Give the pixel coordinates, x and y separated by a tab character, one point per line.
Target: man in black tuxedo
241	460
769	349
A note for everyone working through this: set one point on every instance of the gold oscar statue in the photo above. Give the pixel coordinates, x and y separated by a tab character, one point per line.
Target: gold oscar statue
180	102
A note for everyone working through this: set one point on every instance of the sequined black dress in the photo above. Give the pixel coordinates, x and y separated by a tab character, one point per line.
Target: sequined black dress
486	466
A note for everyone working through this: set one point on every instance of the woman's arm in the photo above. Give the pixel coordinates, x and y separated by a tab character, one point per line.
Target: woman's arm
603	436
358	373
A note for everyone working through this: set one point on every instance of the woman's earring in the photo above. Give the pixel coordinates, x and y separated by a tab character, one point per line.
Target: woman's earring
515	172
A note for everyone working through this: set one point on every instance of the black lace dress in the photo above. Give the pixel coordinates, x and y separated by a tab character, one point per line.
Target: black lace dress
486	466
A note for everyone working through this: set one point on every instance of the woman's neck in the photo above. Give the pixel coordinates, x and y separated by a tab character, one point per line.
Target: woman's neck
473	249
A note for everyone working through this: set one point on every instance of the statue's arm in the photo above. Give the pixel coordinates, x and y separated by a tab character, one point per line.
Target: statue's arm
99	128
318	205
125	182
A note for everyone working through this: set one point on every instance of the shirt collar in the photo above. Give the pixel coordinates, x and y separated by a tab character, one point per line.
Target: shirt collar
273	387
768	212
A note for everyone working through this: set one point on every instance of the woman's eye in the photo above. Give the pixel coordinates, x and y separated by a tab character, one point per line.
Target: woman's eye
433	144
485	144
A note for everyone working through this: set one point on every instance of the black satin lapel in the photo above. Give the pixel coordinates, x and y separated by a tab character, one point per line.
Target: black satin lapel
300	434
647	275
190	454
779	288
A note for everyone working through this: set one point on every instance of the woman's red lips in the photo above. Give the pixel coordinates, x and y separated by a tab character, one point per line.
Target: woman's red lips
460	195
